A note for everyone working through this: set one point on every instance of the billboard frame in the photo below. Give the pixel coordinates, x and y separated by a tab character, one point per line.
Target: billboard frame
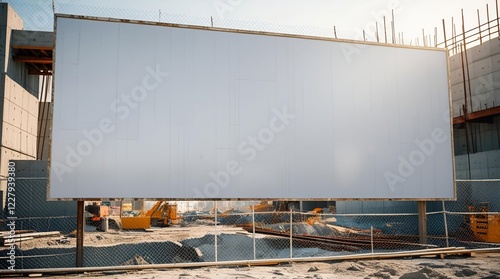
262	33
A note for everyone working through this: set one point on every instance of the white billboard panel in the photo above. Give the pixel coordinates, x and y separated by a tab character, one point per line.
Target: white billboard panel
162	111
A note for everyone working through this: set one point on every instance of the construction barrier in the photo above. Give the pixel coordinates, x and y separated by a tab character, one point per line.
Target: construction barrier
36	233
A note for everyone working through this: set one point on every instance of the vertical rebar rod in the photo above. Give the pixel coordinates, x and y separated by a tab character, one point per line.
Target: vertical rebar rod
376	31
464	109
466	60
423	37
444	35
453	39
488	18
393	24
335	31
479	27
385	31
435	36
498	25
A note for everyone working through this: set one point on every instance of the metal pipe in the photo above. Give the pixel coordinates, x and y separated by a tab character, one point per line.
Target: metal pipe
371	236
291	232
385	255
445	225
215	234
253	230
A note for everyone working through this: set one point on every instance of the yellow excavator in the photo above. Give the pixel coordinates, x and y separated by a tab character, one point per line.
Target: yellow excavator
162	214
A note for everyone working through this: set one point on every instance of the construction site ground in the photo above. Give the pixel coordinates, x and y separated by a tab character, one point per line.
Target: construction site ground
481	265
234	243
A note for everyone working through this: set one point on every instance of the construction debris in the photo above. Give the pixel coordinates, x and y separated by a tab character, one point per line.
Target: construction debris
7	239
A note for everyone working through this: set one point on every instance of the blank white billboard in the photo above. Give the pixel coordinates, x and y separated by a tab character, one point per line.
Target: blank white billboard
180	112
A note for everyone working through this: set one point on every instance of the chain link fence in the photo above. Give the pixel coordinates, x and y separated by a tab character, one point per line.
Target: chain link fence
41	234
39	16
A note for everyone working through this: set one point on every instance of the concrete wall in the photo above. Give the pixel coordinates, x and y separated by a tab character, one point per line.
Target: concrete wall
10	20
483	137
18	101
44	134
484	73
483	165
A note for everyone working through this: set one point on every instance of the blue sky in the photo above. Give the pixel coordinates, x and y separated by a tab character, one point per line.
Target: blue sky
349	17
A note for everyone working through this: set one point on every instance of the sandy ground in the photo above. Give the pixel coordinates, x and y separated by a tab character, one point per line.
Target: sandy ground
481	265
484	265
113	237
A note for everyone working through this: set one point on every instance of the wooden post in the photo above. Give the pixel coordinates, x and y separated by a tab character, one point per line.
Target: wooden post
79	233
422	222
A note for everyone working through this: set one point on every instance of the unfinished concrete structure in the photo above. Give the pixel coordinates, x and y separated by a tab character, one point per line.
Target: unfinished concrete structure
475	88
22	58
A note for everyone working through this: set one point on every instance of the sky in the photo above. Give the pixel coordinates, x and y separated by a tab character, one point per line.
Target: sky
348	17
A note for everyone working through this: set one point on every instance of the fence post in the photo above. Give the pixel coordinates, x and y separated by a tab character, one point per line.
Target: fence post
253	229
371	236
291	233
215	234
445	225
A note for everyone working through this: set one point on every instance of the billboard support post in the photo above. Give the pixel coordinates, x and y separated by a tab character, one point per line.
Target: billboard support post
79	233
422	222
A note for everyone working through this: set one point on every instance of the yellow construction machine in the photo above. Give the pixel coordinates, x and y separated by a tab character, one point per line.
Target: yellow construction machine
484	225
162	214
